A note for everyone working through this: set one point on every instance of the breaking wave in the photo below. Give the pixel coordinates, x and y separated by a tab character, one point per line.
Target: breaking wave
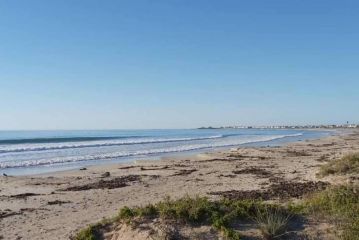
114	155
37	147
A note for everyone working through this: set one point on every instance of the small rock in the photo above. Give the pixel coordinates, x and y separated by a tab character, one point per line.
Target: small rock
106	174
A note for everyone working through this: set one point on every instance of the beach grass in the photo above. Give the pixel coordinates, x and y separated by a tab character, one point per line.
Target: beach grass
88	233
221	215
272	222
94	231
339	205
345	165
199	210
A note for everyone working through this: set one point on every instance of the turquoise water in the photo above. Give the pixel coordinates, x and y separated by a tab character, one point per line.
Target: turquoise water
31	152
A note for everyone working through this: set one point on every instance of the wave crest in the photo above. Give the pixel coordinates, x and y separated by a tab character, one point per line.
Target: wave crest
27	163
31	148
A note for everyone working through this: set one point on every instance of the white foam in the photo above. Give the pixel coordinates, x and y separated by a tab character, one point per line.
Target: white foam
181	148
59	146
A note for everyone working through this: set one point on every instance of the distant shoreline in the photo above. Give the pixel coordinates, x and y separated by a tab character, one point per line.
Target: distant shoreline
324	127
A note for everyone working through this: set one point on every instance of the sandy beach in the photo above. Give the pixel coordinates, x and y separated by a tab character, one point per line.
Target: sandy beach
56	205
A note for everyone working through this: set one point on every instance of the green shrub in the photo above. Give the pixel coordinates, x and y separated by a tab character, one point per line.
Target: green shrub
198	210
187	209
344	165
341	205
88	233
147	211
272	222
126	213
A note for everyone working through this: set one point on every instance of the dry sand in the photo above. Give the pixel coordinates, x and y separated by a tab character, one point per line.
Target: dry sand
56	205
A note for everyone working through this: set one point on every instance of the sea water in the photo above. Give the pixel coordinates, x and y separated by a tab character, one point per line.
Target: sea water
32	152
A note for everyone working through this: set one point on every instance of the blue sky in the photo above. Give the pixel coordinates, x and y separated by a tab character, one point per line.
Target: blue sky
88	64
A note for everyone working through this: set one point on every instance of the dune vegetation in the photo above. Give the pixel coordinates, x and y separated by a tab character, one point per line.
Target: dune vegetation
221	215
338	205
345	165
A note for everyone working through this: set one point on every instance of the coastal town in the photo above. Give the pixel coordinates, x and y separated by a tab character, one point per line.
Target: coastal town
329	126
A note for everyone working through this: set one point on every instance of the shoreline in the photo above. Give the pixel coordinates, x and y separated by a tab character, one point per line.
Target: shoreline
181	154
56	205
193	155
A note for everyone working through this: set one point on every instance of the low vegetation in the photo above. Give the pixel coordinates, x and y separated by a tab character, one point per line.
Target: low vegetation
222	215
88	233
339	205
273	223
94	231
336	205
345	165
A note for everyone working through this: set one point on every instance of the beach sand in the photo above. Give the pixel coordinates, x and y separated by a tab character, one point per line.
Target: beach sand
56	205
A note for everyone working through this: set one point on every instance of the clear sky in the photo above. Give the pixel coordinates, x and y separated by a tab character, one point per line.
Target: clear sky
72	64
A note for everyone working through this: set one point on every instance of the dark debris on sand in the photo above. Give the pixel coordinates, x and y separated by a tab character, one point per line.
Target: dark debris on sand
218	160
118	182
253	170
154	168
57	202
7	213
127	167
184	172
295	153
24	195
282	190
241	156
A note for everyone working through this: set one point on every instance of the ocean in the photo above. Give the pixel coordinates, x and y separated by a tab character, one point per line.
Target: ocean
33	152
